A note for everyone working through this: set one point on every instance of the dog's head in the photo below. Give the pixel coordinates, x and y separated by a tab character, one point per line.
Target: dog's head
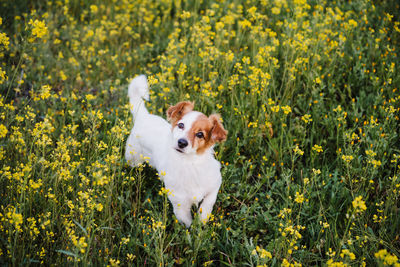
192	131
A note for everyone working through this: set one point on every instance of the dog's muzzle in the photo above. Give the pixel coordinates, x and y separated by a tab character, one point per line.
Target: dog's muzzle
182	143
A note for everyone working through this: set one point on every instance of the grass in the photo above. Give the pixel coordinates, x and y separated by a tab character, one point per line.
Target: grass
307	89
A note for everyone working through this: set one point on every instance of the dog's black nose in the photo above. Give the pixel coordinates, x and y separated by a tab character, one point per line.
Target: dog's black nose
182	143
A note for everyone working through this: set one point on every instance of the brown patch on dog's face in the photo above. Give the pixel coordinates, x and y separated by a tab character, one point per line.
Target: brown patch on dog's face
175	113
205	132
200	134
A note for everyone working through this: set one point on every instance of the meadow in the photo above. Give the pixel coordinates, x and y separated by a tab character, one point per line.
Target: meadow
308	90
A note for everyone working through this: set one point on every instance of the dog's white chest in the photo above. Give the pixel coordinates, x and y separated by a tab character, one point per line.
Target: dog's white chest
191	181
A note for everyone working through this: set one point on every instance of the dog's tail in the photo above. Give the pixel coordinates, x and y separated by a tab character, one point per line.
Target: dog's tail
137	91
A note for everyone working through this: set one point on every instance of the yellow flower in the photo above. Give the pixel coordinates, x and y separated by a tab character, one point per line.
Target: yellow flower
285	263
182	69
286	109
39	29
35	185
244	24
275	10
347	158
164	191
317	80
299	198
185	14
316	171
346	252
387	258
375	162
124	240
15	218
114	263
331	263
306	118
317	148
3	131
275	108
94	8
3	75
298	151
90	97
353	23
63	76
99	206
4	40
359	205
45	92
229	56
130	257
324	224
246	60
263	253
157	225
219	25
370	153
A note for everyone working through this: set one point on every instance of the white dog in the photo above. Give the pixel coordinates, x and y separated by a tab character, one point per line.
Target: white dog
182	150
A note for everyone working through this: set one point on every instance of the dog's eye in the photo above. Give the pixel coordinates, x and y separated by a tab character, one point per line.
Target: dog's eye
199	135
181	125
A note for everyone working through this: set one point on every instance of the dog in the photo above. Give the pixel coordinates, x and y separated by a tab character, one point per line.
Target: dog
181	150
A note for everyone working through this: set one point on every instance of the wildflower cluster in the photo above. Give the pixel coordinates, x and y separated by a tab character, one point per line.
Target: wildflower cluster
387	258
308	90
359	205
39	29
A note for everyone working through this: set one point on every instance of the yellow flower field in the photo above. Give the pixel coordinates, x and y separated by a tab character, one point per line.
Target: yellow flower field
308	90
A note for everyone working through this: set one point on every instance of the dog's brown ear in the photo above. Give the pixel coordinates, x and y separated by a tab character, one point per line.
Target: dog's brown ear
175	113
218	133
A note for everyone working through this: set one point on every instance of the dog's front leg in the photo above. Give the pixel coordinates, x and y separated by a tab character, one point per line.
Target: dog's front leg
182	212
133	151
207	205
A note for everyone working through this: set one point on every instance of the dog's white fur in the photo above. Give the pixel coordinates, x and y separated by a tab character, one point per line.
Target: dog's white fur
191	177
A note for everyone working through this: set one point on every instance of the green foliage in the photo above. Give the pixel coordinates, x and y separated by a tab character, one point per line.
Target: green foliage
308	91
